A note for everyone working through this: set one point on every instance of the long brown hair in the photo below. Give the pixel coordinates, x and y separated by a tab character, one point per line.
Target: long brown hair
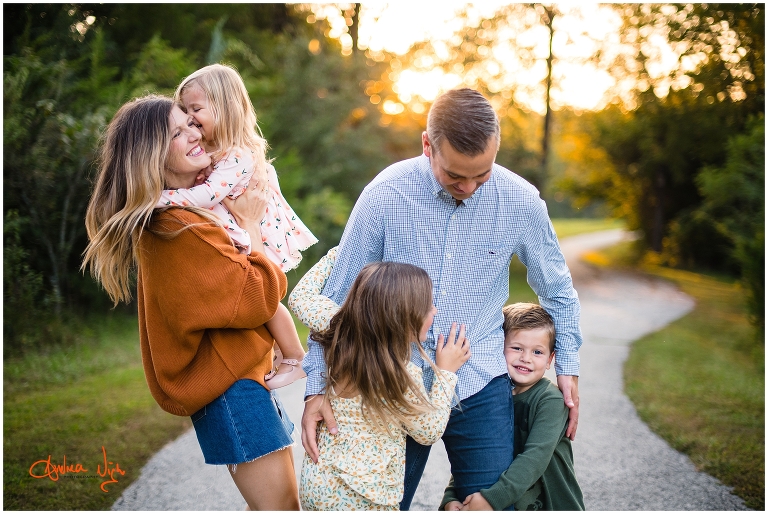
368	342
133	156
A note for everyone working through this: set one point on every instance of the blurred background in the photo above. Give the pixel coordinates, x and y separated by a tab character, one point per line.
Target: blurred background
652	115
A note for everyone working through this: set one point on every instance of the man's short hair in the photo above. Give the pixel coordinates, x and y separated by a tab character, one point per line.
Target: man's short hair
465	119
525	316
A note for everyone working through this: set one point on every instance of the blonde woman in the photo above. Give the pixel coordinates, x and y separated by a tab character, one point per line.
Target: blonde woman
202	304
216	98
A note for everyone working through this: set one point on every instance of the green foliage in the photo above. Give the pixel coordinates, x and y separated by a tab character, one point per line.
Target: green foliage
734	203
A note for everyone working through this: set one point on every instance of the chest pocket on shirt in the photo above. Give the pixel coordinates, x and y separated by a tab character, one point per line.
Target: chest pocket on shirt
491	255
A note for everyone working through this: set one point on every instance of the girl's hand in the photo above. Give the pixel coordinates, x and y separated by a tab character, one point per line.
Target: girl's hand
249	207
203	175
454	352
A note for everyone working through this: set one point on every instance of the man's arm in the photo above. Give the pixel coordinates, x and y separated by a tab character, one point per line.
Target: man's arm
550	278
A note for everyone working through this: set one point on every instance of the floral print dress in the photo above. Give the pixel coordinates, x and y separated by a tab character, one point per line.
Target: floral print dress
362	467
283	234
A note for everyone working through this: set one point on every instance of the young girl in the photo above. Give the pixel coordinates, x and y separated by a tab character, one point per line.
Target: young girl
216	98
376	393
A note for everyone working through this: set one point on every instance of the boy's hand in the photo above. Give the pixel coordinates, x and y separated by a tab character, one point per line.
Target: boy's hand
451	354
476	501
454	505
570	387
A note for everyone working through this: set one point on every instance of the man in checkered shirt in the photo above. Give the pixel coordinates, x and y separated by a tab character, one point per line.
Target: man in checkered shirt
461	217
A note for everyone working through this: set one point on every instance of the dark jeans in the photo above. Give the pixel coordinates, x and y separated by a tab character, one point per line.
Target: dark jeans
478	440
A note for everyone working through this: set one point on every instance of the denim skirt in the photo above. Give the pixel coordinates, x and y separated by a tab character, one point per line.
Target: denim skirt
248	421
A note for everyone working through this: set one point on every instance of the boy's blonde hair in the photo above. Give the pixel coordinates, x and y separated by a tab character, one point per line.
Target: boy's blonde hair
235	123
525	316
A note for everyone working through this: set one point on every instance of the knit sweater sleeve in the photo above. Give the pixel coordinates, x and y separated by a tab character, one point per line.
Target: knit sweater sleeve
546	429
194	288
208	283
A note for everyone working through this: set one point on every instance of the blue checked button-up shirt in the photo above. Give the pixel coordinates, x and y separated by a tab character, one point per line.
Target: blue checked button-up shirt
404	215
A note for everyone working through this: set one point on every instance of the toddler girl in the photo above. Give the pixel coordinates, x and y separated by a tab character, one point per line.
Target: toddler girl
216	98
376	393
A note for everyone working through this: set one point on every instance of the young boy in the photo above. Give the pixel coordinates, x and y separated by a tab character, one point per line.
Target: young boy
541	477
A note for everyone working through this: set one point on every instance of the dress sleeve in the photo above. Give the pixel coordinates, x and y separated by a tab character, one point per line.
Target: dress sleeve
362	242
427	428
236	168
528	466
306	302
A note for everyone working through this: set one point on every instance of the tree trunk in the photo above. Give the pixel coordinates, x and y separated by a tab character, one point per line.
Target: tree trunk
550	14
657	235
354	28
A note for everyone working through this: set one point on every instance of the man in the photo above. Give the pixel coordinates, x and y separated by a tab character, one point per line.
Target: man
461	217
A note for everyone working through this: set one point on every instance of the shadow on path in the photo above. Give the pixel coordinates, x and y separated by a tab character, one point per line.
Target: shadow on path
620	463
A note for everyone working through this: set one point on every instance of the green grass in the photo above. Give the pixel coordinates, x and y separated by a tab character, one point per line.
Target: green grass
519	290
71	402
700	382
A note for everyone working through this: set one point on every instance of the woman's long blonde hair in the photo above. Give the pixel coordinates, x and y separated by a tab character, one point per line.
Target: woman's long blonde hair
133	155
367	344
235	123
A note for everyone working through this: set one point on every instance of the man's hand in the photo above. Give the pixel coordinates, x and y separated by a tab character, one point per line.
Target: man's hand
454	505
476	501
569	385
316	409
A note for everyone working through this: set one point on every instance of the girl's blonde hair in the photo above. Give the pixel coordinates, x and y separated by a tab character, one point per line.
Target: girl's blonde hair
234	117
133	155
367	344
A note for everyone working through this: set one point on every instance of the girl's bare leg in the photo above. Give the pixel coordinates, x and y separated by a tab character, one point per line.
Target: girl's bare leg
284	331
269	482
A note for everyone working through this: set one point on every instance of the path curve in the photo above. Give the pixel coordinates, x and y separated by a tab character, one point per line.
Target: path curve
620	463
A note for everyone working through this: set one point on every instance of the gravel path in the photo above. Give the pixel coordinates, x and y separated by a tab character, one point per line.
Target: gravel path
620	463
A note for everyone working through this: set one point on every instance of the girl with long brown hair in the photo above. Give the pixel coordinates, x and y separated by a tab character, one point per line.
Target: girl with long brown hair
376	392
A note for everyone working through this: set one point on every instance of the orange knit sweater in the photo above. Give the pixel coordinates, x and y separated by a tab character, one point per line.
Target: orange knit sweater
202	309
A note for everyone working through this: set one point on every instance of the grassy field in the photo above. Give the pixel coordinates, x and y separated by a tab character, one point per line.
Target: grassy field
700	382
70	402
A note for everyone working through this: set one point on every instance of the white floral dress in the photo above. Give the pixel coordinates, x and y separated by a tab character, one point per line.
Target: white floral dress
283	234
361	467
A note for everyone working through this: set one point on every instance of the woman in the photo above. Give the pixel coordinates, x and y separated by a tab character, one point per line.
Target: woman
202	305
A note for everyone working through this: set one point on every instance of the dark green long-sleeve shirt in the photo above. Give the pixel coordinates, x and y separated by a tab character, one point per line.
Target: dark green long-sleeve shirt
541	477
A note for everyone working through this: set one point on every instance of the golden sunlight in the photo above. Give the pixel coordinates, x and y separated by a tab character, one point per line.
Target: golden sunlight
580	32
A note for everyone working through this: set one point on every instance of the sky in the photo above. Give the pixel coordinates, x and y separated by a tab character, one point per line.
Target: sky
394	26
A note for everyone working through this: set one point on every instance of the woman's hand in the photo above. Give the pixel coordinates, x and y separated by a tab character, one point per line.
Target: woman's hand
250	206
454	352
248	210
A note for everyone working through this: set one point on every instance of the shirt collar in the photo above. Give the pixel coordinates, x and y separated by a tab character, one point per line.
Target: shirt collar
437	191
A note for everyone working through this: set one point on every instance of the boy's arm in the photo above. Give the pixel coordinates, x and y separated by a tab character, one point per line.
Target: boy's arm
226	174
449	495
527	467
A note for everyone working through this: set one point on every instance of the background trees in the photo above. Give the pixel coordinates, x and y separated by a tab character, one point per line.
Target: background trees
658	155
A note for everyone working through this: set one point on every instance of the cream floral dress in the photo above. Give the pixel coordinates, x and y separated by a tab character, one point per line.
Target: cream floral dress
361	467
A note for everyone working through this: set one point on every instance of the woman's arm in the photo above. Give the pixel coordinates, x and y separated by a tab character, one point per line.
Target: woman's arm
306	302
235	168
